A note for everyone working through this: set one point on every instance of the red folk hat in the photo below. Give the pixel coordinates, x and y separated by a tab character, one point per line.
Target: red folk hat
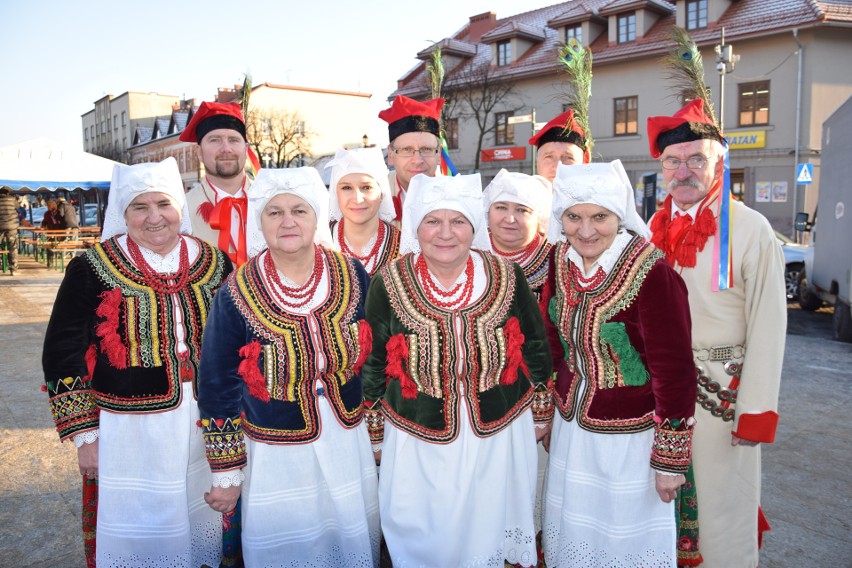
563	128
408	115
212	116
688	124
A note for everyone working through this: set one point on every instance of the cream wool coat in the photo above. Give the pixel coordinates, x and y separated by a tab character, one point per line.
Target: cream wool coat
752	313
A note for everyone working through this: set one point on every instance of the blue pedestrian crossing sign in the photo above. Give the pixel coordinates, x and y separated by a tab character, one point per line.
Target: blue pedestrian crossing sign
804	174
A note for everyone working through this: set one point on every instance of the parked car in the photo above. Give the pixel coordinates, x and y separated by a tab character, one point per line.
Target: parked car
90	214
794	263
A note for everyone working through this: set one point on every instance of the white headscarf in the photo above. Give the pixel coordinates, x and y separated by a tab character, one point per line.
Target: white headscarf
603	184
129	182
516	187
369	161
304	183
462	193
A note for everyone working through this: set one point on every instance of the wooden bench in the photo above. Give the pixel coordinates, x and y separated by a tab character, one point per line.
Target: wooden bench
56	252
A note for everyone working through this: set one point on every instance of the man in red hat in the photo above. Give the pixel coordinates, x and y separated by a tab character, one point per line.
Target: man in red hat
561	140
218	203
414	131
738	333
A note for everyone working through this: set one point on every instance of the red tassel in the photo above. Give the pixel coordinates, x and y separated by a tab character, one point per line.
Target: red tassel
204	210
91	358
762	526
397	349
365	345
250	372
514	353
107	330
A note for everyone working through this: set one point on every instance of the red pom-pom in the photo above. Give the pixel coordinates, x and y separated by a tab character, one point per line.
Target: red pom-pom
249	370
198	423
220	422
365	345
43	388
397	353
111	344
514	352
204	210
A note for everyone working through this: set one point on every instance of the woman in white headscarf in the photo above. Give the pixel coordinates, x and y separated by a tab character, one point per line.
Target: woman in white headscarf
280	388
120	362
625	388
518	210
361	208
456	378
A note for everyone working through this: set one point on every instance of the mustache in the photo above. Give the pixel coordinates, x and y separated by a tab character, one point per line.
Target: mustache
687	182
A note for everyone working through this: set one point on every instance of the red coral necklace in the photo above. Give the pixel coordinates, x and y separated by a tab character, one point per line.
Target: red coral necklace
579	284
434	292
160	282
295	296
521	256
344	248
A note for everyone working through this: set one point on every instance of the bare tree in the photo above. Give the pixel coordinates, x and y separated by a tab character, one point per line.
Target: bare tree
280	138
473	93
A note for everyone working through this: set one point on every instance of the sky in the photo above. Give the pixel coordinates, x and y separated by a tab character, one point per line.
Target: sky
59	57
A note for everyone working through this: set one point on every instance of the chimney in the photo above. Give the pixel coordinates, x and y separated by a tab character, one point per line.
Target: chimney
481	25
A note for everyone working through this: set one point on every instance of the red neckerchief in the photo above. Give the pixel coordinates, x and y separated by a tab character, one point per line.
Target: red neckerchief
220	220
681	238
397	200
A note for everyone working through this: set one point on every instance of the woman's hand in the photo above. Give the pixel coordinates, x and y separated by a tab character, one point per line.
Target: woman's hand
87	459
223	499
667	486
543	435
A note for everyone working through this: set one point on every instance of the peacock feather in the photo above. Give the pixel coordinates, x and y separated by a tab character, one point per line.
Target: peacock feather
686	70
435	70
245	94
576	61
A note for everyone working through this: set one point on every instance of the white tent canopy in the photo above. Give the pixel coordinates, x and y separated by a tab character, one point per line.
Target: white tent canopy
43	164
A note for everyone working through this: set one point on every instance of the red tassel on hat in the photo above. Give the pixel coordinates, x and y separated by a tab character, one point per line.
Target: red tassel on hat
111	344
365	345
514	353
397	353
250	371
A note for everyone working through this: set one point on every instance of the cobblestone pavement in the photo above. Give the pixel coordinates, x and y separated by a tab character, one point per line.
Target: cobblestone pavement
807	477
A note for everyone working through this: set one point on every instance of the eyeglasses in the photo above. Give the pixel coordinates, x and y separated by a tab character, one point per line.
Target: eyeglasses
693	163
408	152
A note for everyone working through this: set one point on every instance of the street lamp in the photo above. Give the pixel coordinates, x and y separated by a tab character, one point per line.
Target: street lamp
725	63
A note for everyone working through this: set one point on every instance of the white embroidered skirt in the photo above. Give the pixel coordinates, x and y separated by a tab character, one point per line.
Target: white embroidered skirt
312	504
153	474
601	507
467	503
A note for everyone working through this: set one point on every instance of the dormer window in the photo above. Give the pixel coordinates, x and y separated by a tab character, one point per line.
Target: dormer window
575	32
696	14
504	53
627	28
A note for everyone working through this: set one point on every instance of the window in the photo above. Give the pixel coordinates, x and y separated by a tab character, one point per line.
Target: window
627	28
575	32
504	133
124	118
754	103
626	116
451	133
504	53
696	14
115	122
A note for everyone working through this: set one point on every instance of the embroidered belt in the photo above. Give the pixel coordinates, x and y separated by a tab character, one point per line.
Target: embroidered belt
720	353
727	396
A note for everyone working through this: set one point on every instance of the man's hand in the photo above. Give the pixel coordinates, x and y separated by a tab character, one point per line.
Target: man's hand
737	441
543	435
87	459
667	486
223	499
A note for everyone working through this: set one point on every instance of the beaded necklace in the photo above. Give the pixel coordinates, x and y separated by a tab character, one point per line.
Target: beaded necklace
433	290
522	255
374	252
160	282
301	294
579	284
